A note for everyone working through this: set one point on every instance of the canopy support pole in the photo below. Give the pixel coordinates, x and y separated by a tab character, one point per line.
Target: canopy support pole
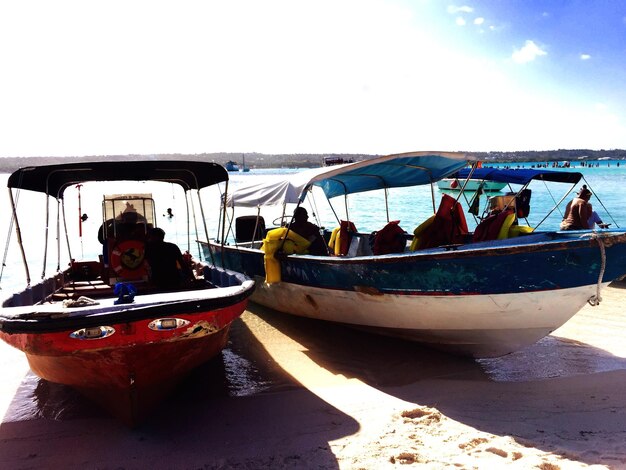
224	221
67	238
386	203
18	233
45	243
195	221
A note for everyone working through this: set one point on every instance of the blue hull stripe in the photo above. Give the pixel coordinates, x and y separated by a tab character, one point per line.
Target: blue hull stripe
514	269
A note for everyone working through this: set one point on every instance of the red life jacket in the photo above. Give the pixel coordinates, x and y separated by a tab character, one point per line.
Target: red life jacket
448	227
490	227
390	239
346	229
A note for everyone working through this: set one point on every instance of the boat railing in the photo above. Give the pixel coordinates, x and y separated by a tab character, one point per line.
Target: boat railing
221	277
35	294
252	245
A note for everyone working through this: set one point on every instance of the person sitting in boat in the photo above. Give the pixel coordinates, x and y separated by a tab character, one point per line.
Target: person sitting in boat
127	224
301	225
130	223
578	211
168	268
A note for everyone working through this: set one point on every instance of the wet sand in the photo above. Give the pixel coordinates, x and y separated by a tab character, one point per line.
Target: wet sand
295	393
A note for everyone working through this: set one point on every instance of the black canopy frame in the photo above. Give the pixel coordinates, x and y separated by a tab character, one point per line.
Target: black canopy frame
53	180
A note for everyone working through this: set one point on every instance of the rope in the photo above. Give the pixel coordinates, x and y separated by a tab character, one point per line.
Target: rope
595	300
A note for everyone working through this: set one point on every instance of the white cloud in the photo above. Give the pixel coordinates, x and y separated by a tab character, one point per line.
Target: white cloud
528	53
460	21
585	57
453	9
479	21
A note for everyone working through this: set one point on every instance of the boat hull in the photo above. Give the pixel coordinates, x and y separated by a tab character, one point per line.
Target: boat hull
482	300
441	322
145	348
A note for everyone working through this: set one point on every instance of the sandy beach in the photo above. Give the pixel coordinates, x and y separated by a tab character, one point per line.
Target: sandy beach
315	395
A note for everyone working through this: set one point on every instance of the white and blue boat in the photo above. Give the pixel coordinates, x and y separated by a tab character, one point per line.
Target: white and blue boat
482	294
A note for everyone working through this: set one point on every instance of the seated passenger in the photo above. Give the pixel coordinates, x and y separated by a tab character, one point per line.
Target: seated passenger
301	225
578	211
168	269
126	225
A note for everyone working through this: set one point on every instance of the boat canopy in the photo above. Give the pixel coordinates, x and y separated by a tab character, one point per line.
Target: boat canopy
391	171
520	175
53	179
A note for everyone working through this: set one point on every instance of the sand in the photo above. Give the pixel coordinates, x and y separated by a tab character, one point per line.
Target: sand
324	396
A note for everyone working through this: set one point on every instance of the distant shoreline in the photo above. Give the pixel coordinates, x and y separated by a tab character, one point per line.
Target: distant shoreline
260	160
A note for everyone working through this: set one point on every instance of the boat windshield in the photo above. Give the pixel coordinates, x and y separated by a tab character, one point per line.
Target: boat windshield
129	209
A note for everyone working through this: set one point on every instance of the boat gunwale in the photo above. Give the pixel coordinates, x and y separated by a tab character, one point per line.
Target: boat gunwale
463	251
128	313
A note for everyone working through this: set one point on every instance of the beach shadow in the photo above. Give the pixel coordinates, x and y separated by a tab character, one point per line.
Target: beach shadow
558	395
239	410
377	360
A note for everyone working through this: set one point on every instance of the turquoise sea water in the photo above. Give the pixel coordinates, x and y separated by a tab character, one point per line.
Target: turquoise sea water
409	205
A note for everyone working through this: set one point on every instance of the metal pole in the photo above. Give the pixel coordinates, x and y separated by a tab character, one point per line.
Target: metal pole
18	232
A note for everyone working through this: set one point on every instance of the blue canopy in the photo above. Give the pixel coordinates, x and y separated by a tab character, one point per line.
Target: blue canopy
520	175
391	171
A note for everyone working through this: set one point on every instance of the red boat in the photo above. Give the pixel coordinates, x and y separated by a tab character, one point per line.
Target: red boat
102	326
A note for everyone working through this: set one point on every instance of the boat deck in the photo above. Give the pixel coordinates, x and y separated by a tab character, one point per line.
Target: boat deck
92	289
97	289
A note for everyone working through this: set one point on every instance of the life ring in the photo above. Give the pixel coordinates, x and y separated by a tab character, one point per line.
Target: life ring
127	259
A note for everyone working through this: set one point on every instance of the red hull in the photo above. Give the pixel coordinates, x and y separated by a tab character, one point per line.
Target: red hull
130	371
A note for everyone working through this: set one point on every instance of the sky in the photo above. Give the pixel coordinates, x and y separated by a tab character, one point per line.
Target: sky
86	78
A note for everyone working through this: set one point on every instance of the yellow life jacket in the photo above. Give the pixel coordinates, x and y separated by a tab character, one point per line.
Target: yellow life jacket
506	225
273	241
415	243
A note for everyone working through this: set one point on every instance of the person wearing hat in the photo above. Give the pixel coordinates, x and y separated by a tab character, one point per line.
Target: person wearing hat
578	211
301	225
